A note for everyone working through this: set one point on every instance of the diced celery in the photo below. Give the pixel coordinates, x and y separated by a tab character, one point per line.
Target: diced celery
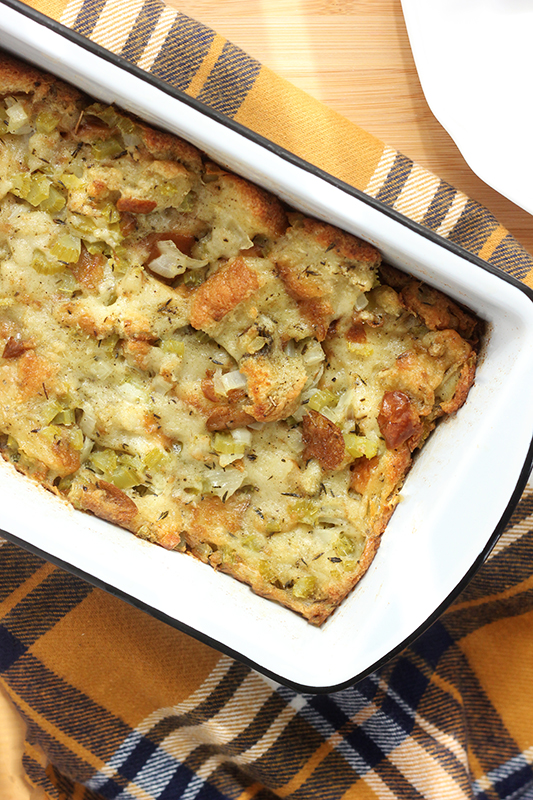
172	345
267	571
125	125
49	411
39	189
358	446
203	551
110	213
95	248
18	118
72	182
252	542
125	477
107	148
128	460
345	546
202	337
119	261
349	564
155	458
51	432
120	469
321	398
46	266
67	283
307	511
67	416
193	277
106	114
66	248
104	461
46	122
12	444
273	526
76	439
83	224
187	203
65	483
108	344
21	184
54	202
228	555
304	587
224	443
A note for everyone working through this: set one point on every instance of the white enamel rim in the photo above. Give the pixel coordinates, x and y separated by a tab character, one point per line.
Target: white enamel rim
455	500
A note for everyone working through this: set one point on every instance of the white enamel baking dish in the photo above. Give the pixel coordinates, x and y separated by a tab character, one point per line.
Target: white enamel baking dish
457	498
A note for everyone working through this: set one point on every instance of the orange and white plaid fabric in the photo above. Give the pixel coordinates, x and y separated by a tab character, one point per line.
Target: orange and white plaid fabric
123	707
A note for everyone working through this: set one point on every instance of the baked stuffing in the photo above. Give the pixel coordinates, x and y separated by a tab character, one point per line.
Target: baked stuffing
187	358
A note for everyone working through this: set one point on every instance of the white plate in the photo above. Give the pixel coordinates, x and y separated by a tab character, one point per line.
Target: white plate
475	63
456	499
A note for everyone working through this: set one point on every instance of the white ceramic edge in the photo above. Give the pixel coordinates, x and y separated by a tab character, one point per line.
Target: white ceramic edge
391	603
478	99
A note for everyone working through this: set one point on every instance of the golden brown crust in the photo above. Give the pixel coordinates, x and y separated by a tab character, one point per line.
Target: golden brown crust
107	501
323	440
222	292
343	244
274	386
437	310
398	419
464	384
162	145
226	417
17	77
266	210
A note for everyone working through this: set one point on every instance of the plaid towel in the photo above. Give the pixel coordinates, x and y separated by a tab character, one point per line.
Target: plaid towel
119	705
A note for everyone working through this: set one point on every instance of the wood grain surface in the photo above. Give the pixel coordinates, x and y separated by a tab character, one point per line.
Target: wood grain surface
353	55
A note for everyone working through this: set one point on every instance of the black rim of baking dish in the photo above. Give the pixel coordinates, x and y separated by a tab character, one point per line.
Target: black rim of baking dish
106	55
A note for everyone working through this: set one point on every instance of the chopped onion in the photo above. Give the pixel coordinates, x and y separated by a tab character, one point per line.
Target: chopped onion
242	436
290	348
344	408
88	421
100	370
361	302
132	391
313	353
172	261
18	119
224	482
233	380
329	515
131	140
226	382
85	451
225	240
256	426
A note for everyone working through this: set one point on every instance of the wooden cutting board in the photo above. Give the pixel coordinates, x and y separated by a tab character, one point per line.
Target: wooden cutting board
353	55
